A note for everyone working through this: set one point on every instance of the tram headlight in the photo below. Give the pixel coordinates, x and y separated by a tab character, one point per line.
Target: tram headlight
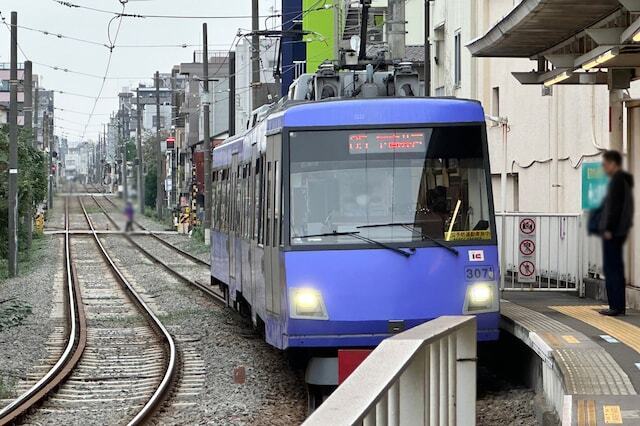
307	303
481	297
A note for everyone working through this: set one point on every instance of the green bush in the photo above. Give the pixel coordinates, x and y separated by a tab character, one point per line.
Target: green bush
32	183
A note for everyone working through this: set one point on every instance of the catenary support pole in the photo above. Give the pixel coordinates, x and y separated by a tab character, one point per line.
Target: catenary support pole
125	189
47	141
427	47
206	136
160	170
28	126
140	173
255	54
174	152
232	93
12	202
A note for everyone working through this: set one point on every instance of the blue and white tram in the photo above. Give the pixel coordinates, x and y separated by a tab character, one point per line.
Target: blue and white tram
338	223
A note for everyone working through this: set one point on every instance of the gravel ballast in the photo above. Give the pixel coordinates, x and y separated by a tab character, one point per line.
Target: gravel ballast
225	347
26	305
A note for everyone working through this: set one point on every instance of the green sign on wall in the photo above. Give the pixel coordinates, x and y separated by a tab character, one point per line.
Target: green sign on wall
320	20
594	185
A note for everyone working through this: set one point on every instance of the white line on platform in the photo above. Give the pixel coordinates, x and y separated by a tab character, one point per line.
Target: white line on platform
608	338
638	365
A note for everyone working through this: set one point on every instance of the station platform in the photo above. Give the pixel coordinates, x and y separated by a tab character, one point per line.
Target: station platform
590	364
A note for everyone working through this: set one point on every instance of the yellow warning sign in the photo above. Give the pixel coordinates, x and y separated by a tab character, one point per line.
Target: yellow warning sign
468	235
612	414
571	339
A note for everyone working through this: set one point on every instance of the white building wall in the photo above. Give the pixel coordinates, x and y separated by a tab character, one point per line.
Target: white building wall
149	114
549	136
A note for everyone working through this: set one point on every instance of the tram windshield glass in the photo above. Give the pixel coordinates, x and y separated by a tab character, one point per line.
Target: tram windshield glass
388	185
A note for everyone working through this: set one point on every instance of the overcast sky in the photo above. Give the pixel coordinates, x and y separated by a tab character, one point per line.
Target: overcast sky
134	64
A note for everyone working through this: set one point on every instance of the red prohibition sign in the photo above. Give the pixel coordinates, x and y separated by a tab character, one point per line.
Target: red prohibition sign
527	268
527	247
527	226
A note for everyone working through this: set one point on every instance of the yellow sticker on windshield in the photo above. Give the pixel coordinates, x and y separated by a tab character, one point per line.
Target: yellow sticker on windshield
469	235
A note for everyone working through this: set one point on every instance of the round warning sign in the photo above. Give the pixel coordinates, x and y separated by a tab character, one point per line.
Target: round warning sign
527	247
527	269
527	226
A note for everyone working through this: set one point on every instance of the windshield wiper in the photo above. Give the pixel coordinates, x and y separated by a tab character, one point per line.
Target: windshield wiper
412	227
356	234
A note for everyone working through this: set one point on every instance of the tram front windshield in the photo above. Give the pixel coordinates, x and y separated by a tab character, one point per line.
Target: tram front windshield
391	185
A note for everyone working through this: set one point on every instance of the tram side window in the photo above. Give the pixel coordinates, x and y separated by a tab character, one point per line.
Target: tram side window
214	206
277	206
257	193
224	198
247	202
263	183
267	233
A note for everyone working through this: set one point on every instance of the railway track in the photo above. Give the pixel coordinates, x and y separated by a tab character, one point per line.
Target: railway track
76	341
125	359
187	268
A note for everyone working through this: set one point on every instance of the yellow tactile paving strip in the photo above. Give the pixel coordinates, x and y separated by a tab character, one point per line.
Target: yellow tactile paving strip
624	332
587	413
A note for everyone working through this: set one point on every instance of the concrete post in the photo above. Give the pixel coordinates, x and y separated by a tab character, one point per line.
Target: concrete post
616	120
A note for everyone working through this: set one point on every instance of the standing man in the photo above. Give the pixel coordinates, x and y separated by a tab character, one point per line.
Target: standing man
129	212
615	223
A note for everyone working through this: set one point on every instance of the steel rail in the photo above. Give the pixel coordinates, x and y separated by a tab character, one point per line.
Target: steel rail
163	241
72	353
165	385
200	286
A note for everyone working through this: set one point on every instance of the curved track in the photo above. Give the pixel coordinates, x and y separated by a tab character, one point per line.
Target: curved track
76	342
119	361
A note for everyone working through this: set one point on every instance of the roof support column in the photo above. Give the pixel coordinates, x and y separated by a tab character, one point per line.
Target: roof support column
633	162
616	121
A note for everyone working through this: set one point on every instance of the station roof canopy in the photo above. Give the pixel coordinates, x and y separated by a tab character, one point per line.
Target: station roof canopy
578	37
534	26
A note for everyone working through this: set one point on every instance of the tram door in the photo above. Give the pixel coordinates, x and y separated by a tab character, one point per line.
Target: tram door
273	223
233	206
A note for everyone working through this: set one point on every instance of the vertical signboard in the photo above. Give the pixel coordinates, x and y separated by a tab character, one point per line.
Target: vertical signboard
594	185
527	250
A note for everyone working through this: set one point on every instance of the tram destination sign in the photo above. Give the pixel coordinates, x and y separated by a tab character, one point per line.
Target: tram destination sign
386	142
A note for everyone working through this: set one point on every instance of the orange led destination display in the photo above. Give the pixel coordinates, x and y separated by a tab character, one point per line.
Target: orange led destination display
382	143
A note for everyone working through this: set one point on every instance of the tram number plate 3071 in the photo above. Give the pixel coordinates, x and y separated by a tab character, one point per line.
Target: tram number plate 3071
479	273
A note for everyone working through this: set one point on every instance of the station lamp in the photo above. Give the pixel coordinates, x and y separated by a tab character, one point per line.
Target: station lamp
636	37
557	79
600	59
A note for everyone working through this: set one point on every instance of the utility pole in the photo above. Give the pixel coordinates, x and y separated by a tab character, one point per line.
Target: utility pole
28	125
174	153
140	174
232	93
255	53
13	150
125	190
104	140
47	143
159	180
427	47
207	138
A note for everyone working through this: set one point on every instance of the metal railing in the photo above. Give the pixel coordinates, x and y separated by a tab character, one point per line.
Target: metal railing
564	253
423	376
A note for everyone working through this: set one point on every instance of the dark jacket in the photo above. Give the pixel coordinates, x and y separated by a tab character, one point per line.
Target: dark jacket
617	207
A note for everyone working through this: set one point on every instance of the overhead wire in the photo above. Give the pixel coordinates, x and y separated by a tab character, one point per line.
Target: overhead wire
106	71
139	15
